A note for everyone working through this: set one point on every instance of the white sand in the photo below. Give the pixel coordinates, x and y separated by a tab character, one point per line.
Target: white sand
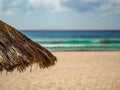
73	71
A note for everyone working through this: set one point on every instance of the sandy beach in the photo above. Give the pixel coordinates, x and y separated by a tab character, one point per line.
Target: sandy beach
75	70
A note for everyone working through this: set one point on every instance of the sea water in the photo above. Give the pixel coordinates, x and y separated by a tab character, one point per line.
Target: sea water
76	39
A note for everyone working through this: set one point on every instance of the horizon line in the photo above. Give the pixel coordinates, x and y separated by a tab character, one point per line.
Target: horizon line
67	29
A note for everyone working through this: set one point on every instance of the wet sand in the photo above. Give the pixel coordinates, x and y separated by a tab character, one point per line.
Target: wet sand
75	70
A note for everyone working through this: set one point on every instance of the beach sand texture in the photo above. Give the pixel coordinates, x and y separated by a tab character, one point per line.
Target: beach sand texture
75	70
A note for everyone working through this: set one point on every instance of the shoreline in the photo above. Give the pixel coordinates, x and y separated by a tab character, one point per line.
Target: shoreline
84	50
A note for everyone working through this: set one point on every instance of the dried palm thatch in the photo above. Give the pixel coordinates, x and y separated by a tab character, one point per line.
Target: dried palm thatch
19	52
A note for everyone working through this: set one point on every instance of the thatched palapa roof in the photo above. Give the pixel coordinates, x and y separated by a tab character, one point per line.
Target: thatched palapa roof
19	52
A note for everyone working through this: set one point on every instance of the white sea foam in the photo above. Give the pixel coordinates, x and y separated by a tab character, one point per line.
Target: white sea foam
79	45
73	39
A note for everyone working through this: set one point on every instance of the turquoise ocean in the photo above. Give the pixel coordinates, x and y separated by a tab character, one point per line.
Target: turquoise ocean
76	39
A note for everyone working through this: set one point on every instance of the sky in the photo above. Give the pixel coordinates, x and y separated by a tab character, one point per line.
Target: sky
61	14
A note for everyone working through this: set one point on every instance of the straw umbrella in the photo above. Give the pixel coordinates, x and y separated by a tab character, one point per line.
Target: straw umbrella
19	52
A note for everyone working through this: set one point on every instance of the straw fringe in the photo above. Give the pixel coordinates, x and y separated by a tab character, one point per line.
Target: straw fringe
19	52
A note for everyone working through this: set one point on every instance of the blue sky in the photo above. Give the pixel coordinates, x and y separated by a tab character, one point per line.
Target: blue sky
61	14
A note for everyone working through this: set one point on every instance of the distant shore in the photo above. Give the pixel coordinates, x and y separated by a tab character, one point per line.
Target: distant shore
84	50
74	70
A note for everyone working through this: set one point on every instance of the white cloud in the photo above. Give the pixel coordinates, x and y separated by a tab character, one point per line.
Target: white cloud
10	7
27	6
93	6
54	5
103	8
110	6
116	8
89	0
9	12
15	3
35	3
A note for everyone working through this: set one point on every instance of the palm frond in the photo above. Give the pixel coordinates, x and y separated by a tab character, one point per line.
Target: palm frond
19	52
